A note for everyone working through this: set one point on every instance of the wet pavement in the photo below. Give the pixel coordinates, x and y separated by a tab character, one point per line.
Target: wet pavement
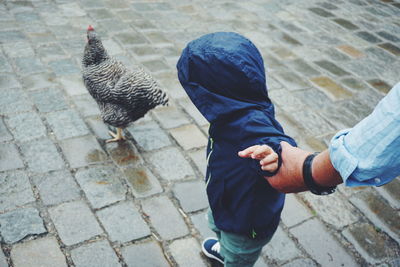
69	199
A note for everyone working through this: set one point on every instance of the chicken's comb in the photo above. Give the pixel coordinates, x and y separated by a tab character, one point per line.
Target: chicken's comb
90	28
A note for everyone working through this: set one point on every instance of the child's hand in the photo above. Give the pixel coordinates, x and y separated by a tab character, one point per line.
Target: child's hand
267	156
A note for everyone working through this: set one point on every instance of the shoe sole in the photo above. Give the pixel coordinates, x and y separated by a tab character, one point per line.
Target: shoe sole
210	255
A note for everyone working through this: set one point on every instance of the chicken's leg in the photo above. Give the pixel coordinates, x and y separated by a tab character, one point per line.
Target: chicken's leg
117	137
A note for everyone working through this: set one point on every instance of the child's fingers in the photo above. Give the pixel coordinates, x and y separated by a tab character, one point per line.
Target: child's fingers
248	151
262	151
271	158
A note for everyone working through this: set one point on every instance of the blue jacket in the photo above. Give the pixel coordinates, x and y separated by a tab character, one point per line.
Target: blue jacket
223	74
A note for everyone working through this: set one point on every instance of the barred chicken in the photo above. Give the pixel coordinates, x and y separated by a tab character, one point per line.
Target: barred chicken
122	95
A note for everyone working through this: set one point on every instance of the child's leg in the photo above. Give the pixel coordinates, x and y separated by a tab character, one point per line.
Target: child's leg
237	250
211	224
240	250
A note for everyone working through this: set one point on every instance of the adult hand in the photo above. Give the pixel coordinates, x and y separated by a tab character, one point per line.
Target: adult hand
289	178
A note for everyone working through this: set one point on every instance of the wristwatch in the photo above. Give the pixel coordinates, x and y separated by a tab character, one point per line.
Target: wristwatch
309	180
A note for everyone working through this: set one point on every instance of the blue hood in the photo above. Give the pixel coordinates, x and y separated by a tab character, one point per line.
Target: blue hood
224	73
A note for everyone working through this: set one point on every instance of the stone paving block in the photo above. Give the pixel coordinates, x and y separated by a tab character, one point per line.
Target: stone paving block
346	24
191	109
136	253
191	195
377	54
112	47
64	67
199	159
291	81
316	125
200	222
286	100
123	222
28	65
50	52
66	124
380	85
101	185
38	81
95	254
18	224
72	10
354	84
395	50
9	157
189	136
26	126
165	217
294	211
186	252
142	181
149	135
4	65
170	117
368	37
12	36
131	38
332	89
281	248
100	14
317	241
83	151
123	153
41	155
313	98
13	101
8	81
74	222
351	51
156	65
170	164
15	190
72	84
330	206
321	12
56	187
18	49
98	127
43	252
3	260
47	100
390	192
303	67
301	263
371	244
331	67
379	212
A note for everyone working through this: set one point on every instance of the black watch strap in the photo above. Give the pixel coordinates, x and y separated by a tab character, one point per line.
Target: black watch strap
309	180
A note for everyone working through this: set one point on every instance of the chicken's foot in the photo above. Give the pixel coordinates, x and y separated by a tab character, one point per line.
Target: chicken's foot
117	137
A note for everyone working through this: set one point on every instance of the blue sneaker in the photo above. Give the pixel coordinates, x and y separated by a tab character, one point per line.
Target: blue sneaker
211	248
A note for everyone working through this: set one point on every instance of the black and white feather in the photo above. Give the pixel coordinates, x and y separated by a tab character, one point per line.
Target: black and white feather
123	95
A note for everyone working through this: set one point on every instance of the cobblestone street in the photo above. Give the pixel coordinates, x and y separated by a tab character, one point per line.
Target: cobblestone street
68	198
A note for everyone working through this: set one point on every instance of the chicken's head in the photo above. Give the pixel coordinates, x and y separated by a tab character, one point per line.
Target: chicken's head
94	50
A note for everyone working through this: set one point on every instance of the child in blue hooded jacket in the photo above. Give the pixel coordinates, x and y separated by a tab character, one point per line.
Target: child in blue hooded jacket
223	74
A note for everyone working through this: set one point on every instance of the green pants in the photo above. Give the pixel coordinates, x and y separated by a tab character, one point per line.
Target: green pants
237	250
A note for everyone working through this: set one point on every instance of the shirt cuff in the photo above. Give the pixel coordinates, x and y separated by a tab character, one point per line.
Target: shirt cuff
341	158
